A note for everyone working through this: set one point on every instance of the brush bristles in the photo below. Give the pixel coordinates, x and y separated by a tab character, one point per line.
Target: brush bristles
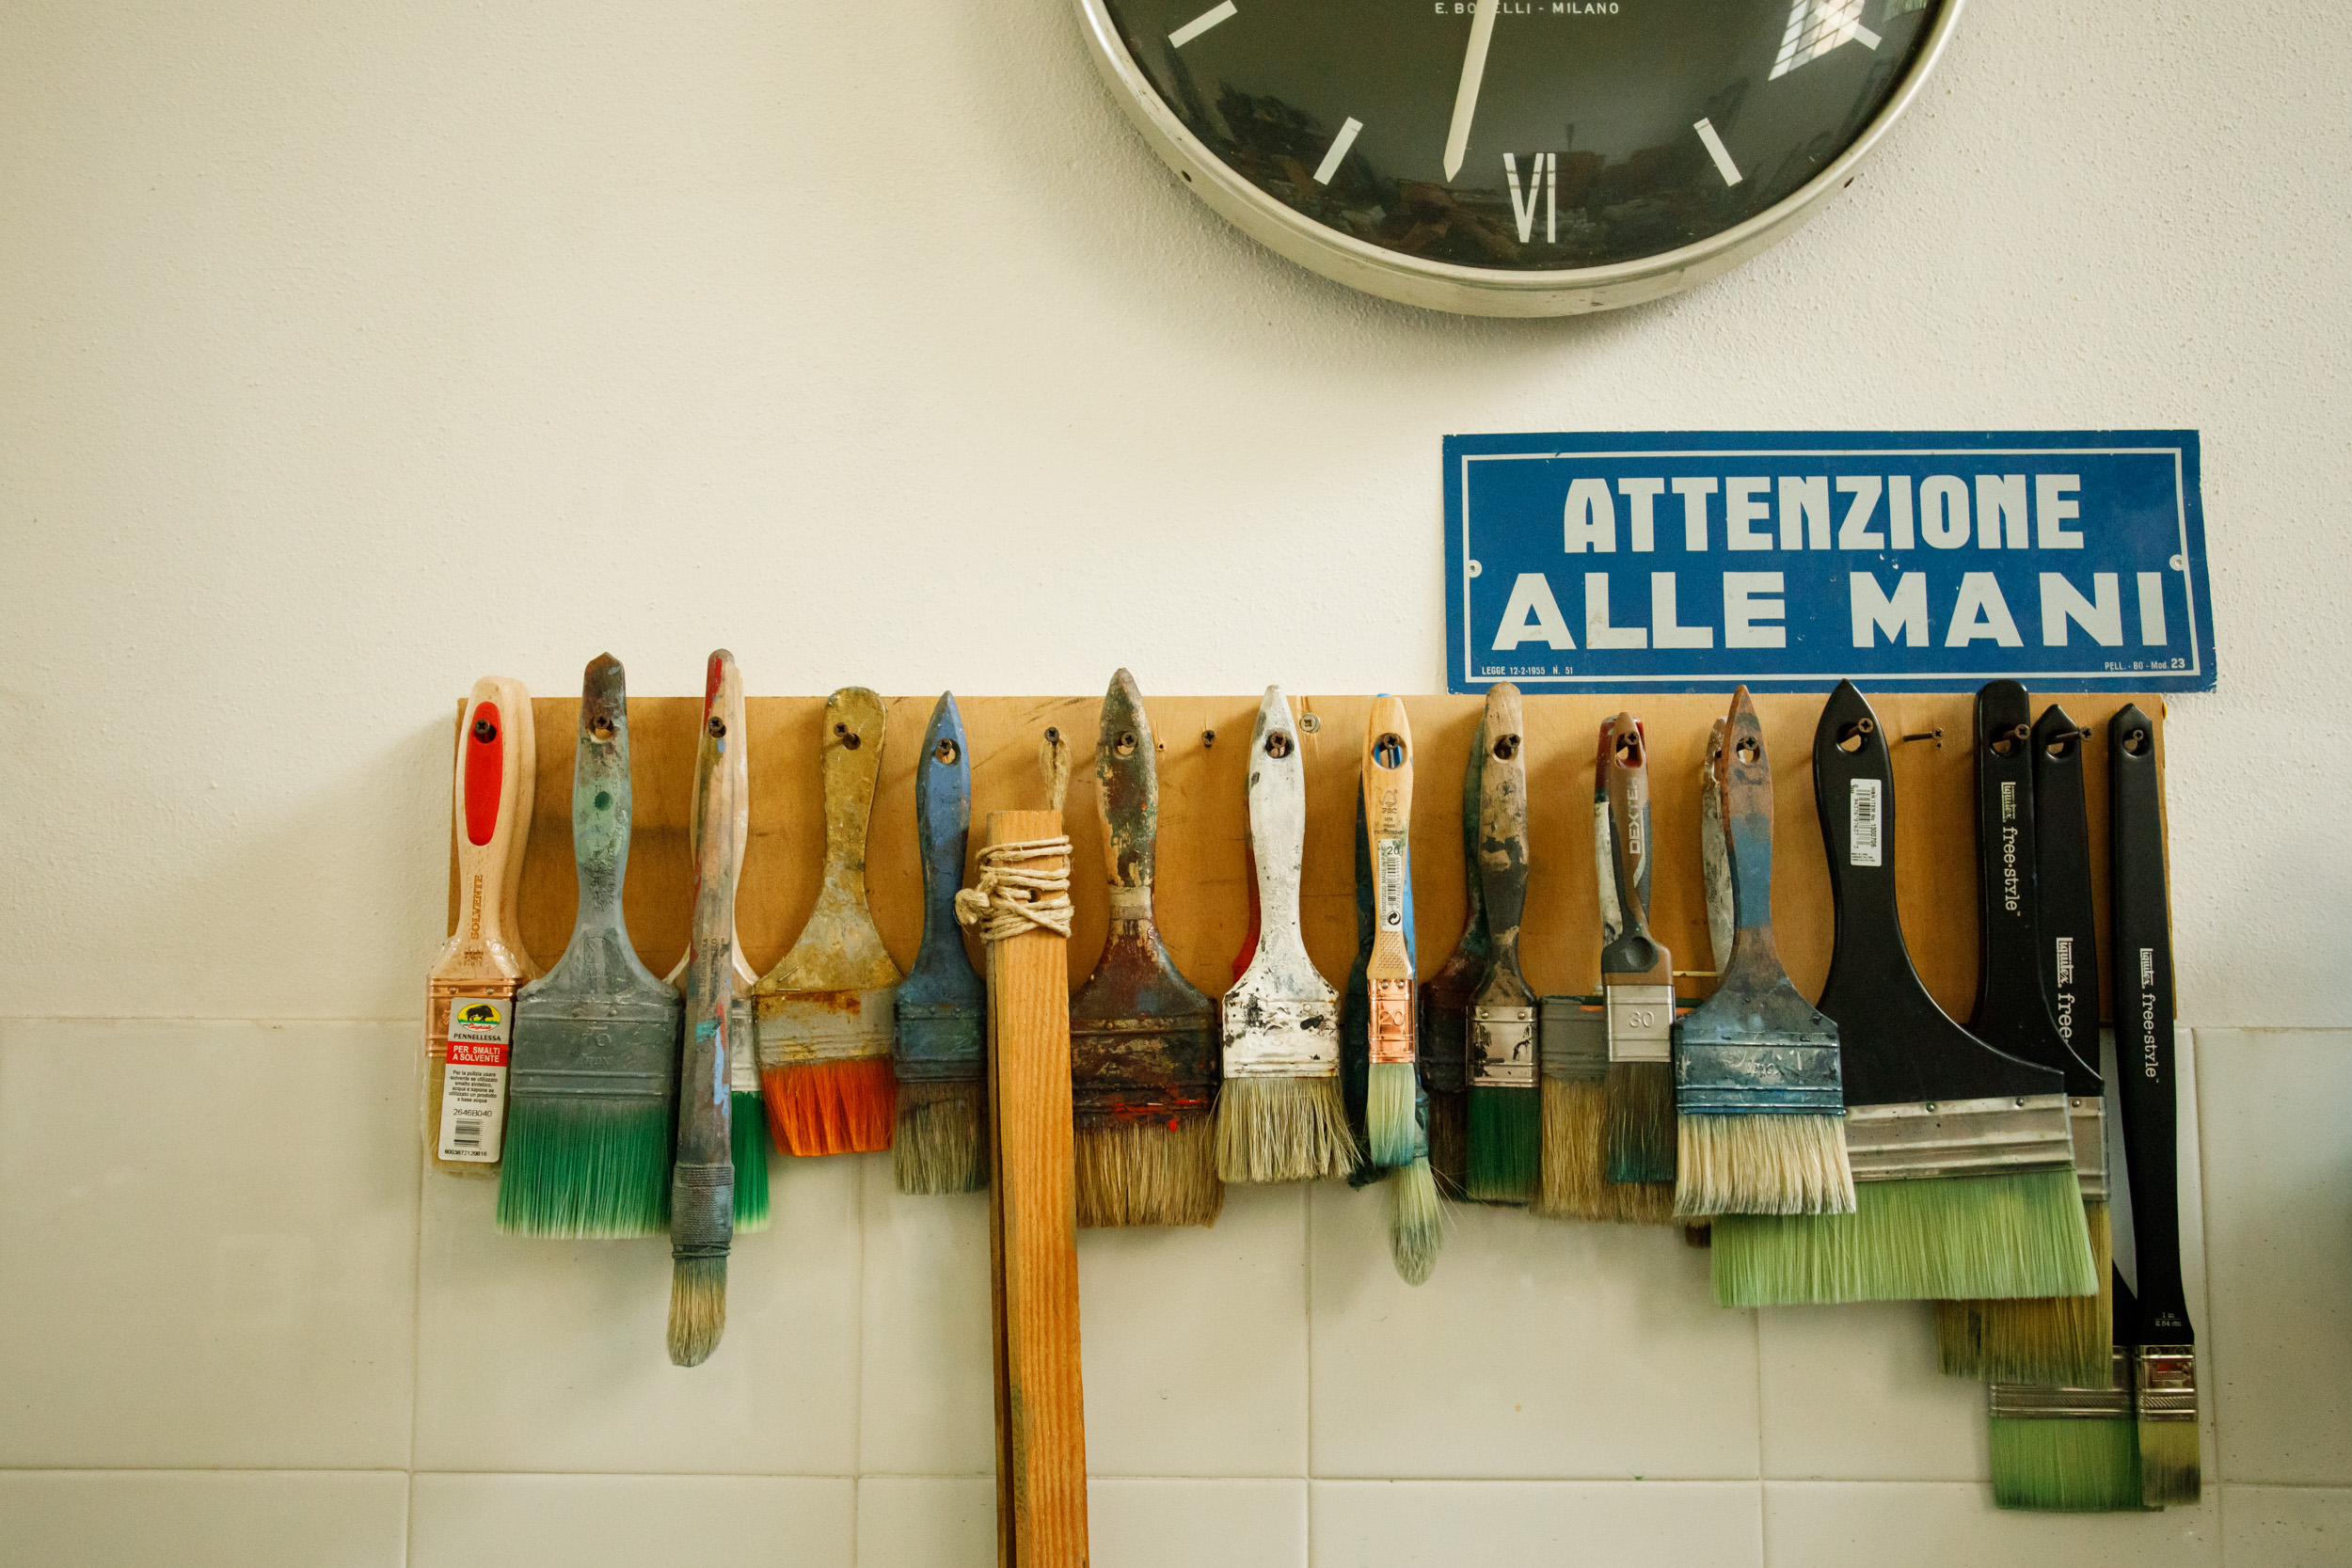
1506	1144
1575	1184
698	1308
1162	1173
2171	1472
1761	1165
1448	1139
1942	1238
585	1168
838	1107
2058	1341
1389	1112
1416	1225
939	1145
1641	1128
1286	1129
747	1137
2069	1466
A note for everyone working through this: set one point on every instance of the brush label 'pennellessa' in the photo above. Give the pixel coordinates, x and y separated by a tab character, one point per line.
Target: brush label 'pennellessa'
474	1083
1922	561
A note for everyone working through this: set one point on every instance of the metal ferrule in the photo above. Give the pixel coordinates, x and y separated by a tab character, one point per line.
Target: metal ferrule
1574	1040
1794	1076
1641	1023
742	1048
2089	1119
701	1209
1502	1048
2033	1401
942	1043
1274	1037
800	1027
1141	1069
2005	1135
2165	1382
595	1051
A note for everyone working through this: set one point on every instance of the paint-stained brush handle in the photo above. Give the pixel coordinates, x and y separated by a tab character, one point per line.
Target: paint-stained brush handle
1746	796
701	1201
1715	852
943	831
2144	1019
1502	835
1126	769
854	720
1636	952
1388	796
601	805
1276	794
736	760
1604	845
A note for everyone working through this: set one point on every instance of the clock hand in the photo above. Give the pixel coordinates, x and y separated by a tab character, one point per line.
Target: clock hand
1466	97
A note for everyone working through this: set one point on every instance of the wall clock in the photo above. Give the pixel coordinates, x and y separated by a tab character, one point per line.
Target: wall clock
1516	157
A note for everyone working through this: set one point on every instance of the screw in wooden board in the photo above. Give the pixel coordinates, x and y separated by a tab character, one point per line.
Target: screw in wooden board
1208	737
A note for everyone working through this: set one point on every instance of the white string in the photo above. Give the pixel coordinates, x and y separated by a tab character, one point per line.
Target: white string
1010	899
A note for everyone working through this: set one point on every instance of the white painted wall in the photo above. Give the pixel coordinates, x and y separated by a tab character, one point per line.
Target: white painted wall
348	353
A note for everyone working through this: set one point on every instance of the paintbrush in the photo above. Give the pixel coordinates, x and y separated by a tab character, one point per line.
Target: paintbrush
826	1011
469	991
1143	1042
1760	1107
1444	1038
1388	794
1637	983
2070	1449
595	1039
1575	1068
1279	1116
1356	1007
1962	1159
2059	1340
702	1180
941	1144
1416	1216
2164	1380
1505	1109
747	1116
1723	925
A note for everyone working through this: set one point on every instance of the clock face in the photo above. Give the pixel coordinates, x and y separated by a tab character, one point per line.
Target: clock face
1525	135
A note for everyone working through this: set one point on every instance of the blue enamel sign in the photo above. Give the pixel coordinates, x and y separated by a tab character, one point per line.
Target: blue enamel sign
1924	560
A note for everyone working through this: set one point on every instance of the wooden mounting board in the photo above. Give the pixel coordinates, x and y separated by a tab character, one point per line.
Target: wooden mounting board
1202	888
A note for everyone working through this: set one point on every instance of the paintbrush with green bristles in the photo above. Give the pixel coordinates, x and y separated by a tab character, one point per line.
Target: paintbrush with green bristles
1637	984
1505	1106
2071	1450
2164	1380
748	1114
588	1130
2024	901
1962	1159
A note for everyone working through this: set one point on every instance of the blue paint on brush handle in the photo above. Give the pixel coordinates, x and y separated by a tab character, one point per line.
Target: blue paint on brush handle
942	1002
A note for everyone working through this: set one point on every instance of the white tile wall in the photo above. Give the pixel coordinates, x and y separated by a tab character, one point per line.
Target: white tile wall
268	1352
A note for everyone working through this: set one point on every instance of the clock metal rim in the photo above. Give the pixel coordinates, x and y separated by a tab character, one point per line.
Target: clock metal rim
1479	291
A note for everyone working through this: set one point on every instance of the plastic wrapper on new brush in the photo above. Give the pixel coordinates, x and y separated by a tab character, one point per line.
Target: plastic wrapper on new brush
1758	1102
2164	1360
747	1117
1279	1116
940	1144
1636	974
702	1175
2030	779
469	991
1143	1041
827	1012
1962	1156
595	1038
1389	973
1505	1107
1442	1039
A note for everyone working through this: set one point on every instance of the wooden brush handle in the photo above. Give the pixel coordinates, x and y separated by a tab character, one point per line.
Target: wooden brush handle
1126	768
736	760
1503	840
487	798
2143	952
704	1092
516	703
1604	854
852	744
943	832
1746	794
1387	798
1636	952
2068	921
1715	852
1277	838
600	800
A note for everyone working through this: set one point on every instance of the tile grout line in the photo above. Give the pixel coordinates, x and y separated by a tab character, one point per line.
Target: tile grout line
416	1312
857	1405
1306	1266
1755	1327
2209	1384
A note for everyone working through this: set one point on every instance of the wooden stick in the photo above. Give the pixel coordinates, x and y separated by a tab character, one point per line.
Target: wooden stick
1040	1415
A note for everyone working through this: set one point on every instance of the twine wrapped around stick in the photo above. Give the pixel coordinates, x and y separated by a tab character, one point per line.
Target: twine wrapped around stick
1010	899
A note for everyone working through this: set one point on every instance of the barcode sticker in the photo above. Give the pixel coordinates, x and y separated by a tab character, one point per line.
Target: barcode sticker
1862	822
1392	884
473	1081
